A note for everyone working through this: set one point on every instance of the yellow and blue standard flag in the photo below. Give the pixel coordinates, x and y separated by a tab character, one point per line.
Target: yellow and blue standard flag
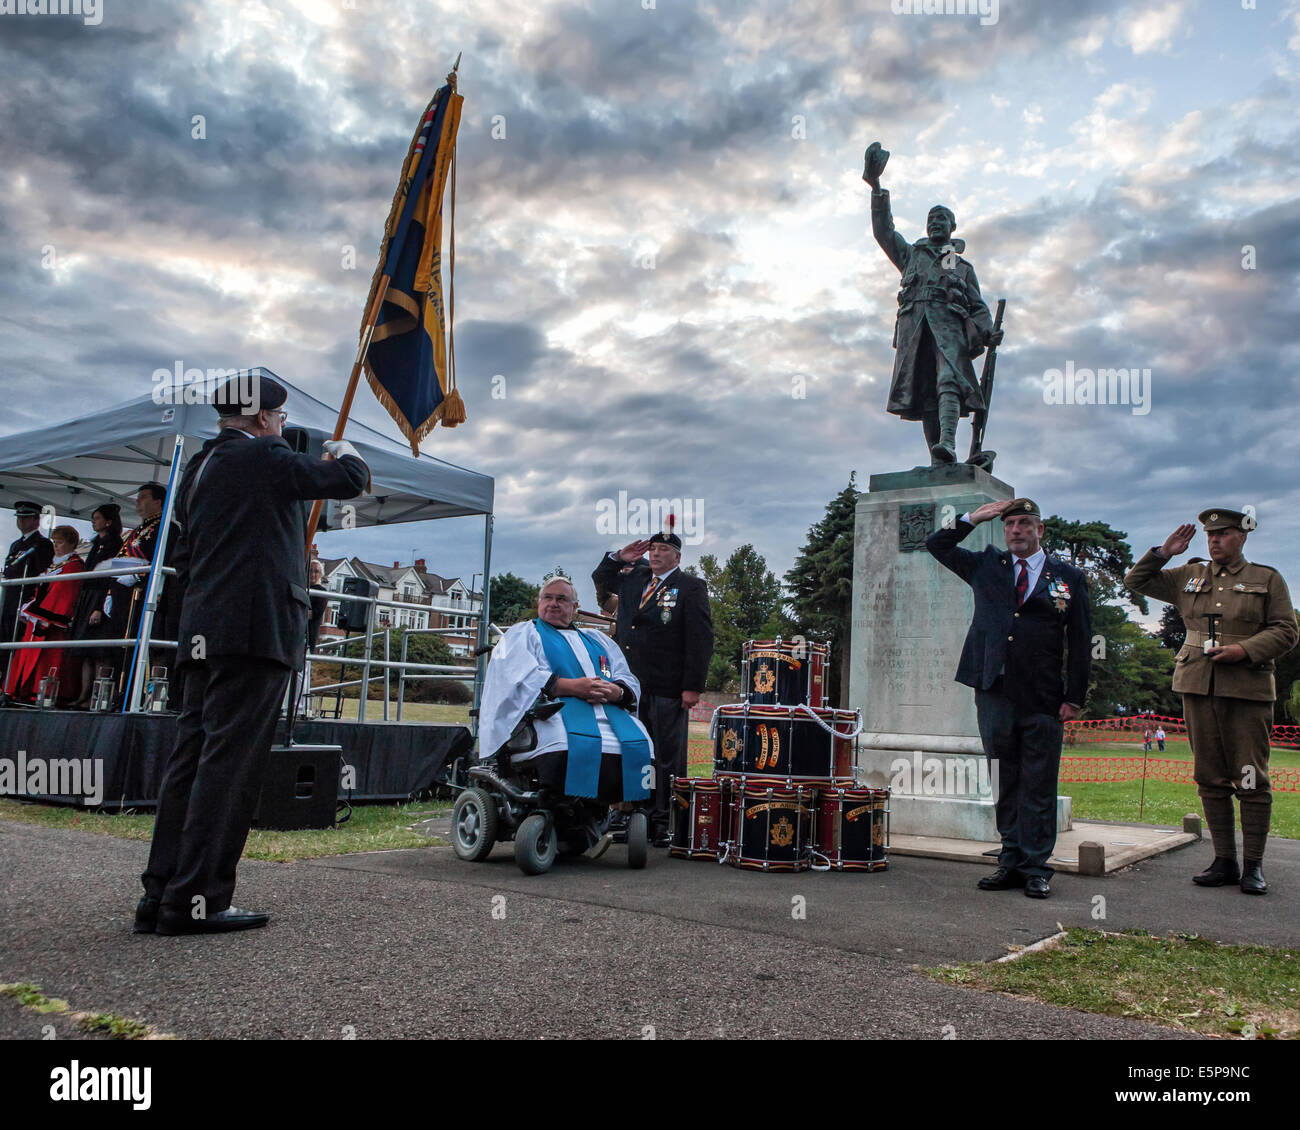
411	360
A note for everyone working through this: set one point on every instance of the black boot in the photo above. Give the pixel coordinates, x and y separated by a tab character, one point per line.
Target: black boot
1252	878
945	451
1219	874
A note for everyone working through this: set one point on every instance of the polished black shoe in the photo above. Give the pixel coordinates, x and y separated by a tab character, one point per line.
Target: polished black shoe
660	838
1252	879
222	922
1036	888
146	916
1219	874
1002	879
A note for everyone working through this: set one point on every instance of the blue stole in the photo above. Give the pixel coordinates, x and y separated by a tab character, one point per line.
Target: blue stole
582	776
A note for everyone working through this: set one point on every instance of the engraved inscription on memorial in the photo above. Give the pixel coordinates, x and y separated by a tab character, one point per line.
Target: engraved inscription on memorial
912	651
915	523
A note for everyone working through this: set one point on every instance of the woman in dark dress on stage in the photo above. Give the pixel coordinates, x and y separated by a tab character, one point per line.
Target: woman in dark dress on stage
89	622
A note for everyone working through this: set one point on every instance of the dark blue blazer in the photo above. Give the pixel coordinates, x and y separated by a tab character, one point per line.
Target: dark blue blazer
669	642
243	554
1025	644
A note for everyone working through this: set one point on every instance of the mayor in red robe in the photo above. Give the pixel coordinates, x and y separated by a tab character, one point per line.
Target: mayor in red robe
47	617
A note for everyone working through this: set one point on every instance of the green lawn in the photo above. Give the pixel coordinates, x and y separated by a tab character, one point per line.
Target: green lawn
1182	982
373	827
411	711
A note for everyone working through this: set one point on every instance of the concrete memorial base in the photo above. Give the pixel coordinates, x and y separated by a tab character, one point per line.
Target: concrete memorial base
910	617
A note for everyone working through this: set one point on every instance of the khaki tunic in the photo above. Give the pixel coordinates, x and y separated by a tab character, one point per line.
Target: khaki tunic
1257	613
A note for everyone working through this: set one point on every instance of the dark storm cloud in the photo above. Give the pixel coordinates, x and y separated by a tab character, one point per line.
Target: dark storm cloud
633	131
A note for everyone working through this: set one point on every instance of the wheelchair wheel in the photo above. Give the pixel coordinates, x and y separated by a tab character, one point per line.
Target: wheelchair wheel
534	847
638	840
474	825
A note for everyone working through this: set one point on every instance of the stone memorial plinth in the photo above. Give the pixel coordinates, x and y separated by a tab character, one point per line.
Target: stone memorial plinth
910	617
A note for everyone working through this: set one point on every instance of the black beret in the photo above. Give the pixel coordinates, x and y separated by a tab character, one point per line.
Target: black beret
247	394
1022	506
668	539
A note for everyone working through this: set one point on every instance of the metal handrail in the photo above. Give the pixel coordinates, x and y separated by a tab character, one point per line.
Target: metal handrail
83	575
82	643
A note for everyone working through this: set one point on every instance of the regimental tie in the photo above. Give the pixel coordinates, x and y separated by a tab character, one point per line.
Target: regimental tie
654	587
1022	581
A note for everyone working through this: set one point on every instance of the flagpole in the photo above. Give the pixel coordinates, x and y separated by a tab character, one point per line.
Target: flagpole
372	319
345	409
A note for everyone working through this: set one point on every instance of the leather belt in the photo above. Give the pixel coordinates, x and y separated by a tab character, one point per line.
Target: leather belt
1197	639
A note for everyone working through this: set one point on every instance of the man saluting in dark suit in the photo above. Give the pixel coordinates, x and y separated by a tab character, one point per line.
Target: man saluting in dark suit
1027	606
665	629
243	569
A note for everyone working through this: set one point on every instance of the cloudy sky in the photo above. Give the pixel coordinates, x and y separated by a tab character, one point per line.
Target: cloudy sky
664	245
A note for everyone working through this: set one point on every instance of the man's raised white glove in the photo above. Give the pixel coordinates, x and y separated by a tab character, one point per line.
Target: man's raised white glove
338	447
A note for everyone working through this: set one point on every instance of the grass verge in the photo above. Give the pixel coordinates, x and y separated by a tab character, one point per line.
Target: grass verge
373	827
1182	981
29	995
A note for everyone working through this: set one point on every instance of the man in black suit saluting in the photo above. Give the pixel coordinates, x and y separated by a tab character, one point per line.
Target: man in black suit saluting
243	570
665	629
1028	605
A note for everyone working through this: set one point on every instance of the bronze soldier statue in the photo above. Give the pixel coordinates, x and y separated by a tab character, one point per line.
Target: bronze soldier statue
943	323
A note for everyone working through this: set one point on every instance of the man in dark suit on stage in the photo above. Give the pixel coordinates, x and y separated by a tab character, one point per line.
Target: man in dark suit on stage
665	628
29	555
1028	607
243	567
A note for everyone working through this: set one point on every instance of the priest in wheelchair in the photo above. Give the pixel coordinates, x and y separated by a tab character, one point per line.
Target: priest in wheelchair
559	743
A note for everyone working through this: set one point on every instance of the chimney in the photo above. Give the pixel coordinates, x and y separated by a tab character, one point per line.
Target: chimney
419	564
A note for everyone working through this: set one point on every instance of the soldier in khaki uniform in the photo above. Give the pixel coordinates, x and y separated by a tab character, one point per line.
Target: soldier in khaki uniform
1225	674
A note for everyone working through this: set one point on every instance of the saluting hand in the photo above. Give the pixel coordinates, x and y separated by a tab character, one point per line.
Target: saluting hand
634	550
989	511
1178	541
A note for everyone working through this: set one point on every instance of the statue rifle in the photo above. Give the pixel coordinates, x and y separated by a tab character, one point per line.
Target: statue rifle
986	386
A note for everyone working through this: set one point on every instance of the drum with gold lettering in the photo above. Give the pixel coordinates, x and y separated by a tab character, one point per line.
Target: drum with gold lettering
700	817
772	828
792	742
851	832
783	672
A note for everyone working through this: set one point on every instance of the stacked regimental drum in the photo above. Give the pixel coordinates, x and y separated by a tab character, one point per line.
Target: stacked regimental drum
783	796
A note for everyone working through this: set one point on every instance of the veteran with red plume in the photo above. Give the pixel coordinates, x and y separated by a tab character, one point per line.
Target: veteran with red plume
665	628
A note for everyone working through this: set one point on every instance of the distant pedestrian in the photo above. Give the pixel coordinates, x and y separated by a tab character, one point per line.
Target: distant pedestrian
1160	738
1146	740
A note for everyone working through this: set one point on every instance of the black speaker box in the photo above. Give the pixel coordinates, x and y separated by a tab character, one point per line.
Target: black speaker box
353	615
300	788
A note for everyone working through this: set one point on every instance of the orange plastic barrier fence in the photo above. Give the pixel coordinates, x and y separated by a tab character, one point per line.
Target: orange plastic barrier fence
1129	729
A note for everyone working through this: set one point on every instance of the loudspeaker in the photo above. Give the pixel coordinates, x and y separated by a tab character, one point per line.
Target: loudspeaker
353	615
300	788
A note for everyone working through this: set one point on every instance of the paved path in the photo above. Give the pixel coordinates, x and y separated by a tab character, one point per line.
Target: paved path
405	944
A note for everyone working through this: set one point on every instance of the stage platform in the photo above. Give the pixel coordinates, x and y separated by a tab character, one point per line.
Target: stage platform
392	761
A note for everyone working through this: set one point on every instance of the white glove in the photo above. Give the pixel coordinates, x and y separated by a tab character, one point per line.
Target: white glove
338	447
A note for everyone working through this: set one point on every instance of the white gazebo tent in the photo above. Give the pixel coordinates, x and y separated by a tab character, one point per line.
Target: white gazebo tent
104	456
